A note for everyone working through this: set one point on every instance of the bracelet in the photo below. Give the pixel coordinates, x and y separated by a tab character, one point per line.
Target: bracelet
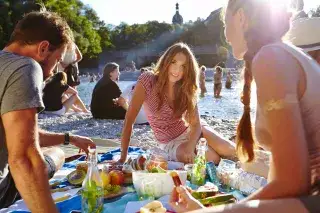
66	138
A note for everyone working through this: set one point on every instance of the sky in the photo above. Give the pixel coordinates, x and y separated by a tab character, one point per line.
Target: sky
140	11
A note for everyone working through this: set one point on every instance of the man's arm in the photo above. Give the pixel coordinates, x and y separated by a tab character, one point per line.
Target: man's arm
26	161
53	139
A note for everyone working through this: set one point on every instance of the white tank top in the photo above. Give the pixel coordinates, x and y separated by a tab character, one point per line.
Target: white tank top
69	57
310	108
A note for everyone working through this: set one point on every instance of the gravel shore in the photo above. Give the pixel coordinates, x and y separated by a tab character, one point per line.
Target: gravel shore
85	125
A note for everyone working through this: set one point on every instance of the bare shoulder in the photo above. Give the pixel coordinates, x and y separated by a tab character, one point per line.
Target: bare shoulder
274	61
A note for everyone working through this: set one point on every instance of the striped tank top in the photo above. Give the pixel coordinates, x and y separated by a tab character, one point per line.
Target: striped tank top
164	124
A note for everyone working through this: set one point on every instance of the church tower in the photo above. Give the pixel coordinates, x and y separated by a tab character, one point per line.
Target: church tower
177	18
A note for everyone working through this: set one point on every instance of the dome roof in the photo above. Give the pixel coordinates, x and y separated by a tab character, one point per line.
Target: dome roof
177	18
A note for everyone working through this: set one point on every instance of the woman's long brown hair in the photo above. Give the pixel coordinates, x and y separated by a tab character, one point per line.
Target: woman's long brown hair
266	26
185	90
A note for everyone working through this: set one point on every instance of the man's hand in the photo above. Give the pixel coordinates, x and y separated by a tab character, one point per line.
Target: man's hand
182	201
82	142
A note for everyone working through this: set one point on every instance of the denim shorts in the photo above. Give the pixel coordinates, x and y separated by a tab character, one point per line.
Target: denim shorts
311	203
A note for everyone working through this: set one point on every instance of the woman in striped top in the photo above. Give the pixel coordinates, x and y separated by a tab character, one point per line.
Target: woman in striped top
169	96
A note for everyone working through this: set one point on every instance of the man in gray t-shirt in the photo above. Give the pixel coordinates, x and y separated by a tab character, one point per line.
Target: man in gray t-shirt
20	88
38	42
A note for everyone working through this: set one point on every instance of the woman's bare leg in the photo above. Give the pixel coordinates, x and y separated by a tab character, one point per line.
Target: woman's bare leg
75	108
69	101
220	145
80	104
265	206
212	155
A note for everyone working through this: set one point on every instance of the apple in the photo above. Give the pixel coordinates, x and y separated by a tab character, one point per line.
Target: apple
140	162
105	177
116	177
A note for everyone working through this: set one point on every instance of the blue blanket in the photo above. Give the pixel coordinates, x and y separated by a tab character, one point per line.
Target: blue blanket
132	151
116	205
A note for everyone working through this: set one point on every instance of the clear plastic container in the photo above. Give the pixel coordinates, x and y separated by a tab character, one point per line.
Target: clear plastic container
157	158
225	170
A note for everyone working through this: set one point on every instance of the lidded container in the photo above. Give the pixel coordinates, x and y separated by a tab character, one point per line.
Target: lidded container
157	158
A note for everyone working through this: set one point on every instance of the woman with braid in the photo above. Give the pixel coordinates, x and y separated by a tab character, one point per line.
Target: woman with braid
287	116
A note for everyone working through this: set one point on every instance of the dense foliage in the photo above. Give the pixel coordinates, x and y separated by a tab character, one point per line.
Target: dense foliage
93	36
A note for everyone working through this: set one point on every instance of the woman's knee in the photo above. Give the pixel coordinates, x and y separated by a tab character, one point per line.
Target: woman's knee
213	155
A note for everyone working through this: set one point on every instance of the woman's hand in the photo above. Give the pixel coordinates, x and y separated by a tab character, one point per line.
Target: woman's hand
122	160
121	102
182	201
185	153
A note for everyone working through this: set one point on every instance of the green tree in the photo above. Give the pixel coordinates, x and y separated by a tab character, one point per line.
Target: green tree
315	12
91	34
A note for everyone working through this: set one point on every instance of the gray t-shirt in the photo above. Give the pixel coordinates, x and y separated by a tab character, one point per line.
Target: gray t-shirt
21	81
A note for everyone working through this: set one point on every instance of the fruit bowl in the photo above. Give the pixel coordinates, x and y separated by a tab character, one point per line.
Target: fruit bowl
161	183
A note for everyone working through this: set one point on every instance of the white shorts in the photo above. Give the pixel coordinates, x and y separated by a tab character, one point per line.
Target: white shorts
60	112
171	147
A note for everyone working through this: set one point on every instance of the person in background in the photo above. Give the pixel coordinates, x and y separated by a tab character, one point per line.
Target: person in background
203	80
287	112
58	97
217	80
309	42
92	78
125	99
69	64
169	96
105	94
228	80
36	45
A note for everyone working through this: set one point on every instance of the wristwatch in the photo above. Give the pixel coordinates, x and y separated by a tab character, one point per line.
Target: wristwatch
66	138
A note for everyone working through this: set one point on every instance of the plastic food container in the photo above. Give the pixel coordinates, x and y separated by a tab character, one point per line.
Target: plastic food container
163	184
157	158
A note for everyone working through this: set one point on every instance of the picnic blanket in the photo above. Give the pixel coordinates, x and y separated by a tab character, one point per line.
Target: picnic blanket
74	203
117	205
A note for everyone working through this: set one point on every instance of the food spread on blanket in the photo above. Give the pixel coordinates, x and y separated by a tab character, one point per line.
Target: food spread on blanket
208	194
114	177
